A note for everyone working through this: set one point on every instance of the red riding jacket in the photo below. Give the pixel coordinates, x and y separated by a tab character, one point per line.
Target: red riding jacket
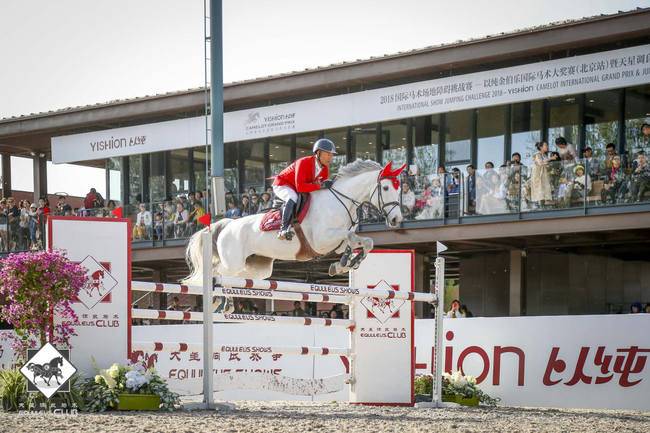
301	175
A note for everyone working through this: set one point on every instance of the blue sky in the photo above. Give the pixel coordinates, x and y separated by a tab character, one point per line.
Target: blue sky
76	52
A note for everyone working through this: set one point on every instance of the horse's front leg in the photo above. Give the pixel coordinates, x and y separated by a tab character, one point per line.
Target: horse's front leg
366	245
352	242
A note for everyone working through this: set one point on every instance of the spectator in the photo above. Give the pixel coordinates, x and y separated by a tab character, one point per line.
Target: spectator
33	223
252	191
408	200
471	189
578	187
269	191
464	310
540	184
111	208
645	129
606	165
590	162
175	304
245	206
196	213
266	202
555	172
516	166
615	184
43	205
229	196
489	169
454	312
493	201
93	199
481	190
233	211
647	308
297	310
3	223
640	181
199	197
334	314
23	226
431	202
183	201
635	308
255	204
62	208
441	171
566	150
158	226
143	223
453	182
181	220
325	315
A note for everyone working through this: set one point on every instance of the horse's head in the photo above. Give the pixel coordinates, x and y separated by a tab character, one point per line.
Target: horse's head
387	197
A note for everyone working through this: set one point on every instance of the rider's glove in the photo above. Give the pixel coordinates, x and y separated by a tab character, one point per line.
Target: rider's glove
326	184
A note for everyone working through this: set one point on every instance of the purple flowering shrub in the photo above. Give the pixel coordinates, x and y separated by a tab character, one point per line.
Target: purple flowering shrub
37	285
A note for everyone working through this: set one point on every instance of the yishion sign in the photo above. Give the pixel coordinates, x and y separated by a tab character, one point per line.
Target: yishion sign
574	75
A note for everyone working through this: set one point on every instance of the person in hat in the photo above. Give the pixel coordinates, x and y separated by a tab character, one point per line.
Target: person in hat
578	187
589	162
183	200
305	175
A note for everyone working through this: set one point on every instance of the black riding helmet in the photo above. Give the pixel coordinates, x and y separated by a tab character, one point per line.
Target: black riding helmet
325	145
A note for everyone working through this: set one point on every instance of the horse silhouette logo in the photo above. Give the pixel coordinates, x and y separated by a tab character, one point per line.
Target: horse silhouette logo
99	285
48	370
382	309
253	117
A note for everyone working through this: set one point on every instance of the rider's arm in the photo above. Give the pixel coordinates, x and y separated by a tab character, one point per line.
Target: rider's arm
305	175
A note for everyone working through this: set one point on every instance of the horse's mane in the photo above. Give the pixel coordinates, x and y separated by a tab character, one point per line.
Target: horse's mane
356	167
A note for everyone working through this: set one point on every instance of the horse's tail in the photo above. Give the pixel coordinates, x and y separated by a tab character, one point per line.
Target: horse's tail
194	252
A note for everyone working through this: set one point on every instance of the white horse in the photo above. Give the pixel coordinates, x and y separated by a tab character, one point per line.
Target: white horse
242	249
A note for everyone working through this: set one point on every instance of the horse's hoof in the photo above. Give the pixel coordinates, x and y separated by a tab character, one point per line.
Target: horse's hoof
332	270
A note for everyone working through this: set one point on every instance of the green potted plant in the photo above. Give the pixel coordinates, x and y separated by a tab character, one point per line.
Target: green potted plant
128	387
13	391
456	388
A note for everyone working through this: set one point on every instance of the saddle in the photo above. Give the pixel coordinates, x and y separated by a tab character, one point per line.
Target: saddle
272	221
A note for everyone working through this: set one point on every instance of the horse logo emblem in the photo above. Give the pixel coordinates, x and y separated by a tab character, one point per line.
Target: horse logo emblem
252	117
382	309
48	370
99	285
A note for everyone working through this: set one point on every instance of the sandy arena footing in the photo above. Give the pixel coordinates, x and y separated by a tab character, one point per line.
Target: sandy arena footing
340	417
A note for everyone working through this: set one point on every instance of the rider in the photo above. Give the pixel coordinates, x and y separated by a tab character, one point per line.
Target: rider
305	175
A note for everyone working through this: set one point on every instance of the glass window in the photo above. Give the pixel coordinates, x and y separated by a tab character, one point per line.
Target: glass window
339	138
526	127
637	112
231	171
199	168
364	141
601	120
279	153
180	172
115	179
393	142
491	135
157	176
427	139
563	120
253	154
459	136
135	179
305	144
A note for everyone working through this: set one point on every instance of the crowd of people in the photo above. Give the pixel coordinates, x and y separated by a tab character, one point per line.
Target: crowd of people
173	218
554	180
249	204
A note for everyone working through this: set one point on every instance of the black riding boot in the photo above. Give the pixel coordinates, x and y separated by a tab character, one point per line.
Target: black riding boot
287	215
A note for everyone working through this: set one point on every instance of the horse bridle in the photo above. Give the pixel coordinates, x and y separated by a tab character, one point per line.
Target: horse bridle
380	200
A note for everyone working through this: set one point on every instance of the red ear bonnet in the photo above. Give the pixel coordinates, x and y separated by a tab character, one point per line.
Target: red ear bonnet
388	173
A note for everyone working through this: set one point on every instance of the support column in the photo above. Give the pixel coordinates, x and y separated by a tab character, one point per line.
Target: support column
6	175
421	284
40	176
517	283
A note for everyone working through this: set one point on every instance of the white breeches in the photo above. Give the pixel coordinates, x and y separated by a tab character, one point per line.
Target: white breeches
285	193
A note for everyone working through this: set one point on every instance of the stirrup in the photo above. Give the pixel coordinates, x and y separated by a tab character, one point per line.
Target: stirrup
285	234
